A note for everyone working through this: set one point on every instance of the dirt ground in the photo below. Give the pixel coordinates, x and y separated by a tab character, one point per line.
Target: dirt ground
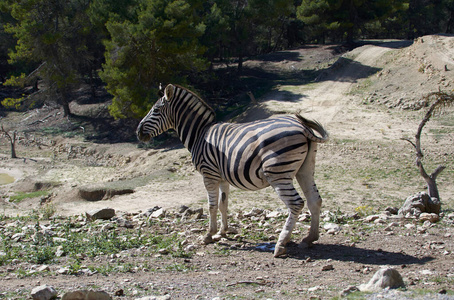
368	99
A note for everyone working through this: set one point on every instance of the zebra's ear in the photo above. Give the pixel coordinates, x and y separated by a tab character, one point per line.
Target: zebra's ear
161	91
168	92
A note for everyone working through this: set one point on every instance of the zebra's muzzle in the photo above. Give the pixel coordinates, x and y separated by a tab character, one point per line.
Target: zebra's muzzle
142	136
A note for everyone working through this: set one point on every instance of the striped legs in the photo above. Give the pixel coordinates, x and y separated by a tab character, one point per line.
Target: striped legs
223	206
305	178
218	193
288	194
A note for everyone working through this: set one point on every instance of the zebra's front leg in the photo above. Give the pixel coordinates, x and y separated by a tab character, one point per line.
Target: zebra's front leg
288	194
212	187
223	207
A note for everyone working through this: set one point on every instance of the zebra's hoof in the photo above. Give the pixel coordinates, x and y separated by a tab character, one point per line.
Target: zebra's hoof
207	240
306	243
279	251
217	237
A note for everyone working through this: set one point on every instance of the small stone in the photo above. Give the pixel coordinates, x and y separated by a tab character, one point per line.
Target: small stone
255	212
189	248
43	268
160	213
431	217
391	226
163	251
410	226
305	217
44	292
273	214
63	271
348	291
332	227
314	288
426	272
392	210
122	222
328	268
371	218
59	252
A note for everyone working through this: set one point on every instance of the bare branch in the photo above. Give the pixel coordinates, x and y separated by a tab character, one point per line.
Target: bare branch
408	140
437	171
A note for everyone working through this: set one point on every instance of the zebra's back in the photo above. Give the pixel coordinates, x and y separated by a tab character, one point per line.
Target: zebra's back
247	155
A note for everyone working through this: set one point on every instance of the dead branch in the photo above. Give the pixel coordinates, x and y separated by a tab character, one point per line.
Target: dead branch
12	140
442	100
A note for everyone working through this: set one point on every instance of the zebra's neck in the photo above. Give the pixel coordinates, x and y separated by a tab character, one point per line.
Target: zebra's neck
192	115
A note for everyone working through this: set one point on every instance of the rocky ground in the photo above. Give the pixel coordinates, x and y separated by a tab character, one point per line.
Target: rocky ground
368	99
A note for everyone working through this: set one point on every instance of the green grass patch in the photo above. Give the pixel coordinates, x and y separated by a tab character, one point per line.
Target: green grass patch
21	195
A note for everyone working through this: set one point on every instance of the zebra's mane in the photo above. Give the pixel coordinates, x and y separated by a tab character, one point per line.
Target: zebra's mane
197	97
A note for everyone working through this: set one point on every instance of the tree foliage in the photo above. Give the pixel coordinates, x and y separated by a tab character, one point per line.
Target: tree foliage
134	45
346	19
161	45
55	35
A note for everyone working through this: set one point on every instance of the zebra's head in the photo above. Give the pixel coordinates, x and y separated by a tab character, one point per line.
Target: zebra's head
158	118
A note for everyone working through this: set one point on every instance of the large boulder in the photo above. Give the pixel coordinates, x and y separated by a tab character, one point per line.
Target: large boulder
420	203
44	292
100	214
99	192
383	278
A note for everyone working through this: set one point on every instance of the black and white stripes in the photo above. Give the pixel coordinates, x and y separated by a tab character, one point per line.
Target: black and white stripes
249	156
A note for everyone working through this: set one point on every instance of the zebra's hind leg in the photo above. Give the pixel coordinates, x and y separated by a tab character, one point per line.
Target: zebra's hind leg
305	178
288	194
212	187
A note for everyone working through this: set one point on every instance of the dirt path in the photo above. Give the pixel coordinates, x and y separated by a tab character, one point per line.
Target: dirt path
328	100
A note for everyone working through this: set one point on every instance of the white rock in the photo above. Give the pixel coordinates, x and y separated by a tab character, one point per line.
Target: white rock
44	292
379	221
332	227
431	217
383	278
63	271
189	248
158	213
86	295
371	218
314	288
59	252
410	226
348	290
43	268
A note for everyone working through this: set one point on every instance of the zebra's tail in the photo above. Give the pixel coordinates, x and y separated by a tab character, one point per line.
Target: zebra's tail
311	125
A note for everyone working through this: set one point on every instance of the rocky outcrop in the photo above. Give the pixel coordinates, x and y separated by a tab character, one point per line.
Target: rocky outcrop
420	203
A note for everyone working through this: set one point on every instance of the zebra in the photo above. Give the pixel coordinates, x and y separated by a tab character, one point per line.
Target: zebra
249	156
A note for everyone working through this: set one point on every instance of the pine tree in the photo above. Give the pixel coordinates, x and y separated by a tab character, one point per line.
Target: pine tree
57	36
161	46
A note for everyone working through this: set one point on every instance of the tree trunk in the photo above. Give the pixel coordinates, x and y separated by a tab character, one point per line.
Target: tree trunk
13	146
66	110
432	188
12	140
